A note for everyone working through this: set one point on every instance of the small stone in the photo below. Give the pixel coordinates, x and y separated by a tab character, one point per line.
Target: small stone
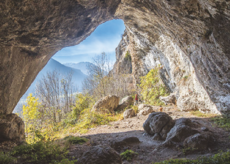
204	129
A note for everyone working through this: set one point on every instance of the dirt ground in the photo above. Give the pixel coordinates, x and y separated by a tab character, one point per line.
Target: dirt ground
148	150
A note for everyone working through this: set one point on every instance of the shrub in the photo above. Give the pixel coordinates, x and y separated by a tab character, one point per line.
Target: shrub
40	152
128	155
152	88
82	102
6	158
128	56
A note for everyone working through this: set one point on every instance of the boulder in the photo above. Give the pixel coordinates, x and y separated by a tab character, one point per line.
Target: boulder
100	155
128	113
157	137
158	122
127	141
12	128
200	141
171	99
144	109
108	103
127	101
183	128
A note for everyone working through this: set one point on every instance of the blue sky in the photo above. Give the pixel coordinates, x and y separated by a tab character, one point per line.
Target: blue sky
105	38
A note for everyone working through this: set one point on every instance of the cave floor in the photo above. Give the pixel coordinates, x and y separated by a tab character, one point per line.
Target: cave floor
148	150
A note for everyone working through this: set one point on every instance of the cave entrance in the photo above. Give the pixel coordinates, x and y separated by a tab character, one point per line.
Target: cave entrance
53	92
105	38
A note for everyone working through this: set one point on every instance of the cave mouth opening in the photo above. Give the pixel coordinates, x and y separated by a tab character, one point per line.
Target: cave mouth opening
104	39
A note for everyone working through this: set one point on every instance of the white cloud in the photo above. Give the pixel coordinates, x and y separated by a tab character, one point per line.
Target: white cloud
92	47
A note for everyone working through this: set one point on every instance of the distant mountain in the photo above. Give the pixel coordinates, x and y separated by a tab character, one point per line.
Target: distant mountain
53	65
81	66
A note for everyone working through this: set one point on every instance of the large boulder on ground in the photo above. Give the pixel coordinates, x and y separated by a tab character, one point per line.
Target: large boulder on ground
158	123
144	109
100	155
183	128
128	113
12	128
171	99
127	141
127	101
108	103
200	141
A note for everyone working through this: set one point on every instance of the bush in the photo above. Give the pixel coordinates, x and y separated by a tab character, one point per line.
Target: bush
128	56
221	158
82	102
40	152
128	155
152	88
6	158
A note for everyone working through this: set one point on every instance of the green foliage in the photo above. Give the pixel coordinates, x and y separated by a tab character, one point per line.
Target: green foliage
128	155
82	102
128	56
75	140
31	115
6	158
188	150
134	107
152	89
40	152
91	119
222	122
220	158
200	114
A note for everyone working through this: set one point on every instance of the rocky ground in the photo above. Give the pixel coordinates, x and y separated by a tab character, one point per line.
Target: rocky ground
148	150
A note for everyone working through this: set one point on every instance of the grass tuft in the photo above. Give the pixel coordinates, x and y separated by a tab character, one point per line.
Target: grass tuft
75	140
203	115
222	122
128	155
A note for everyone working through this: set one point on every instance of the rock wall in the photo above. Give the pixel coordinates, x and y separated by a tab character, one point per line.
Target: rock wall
189	38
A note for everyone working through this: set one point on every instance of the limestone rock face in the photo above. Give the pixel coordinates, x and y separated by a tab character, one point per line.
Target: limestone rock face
171	99
158	123
12	128
109	103
189	39
123	63
100	155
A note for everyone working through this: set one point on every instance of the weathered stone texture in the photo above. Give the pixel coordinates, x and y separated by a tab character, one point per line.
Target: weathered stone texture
188	38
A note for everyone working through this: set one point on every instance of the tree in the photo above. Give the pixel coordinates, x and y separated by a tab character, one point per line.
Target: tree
56	95
152	88
96	83
101	82
31	113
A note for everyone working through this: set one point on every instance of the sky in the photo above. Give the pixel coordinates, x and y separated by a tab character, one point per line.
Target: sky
105	38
